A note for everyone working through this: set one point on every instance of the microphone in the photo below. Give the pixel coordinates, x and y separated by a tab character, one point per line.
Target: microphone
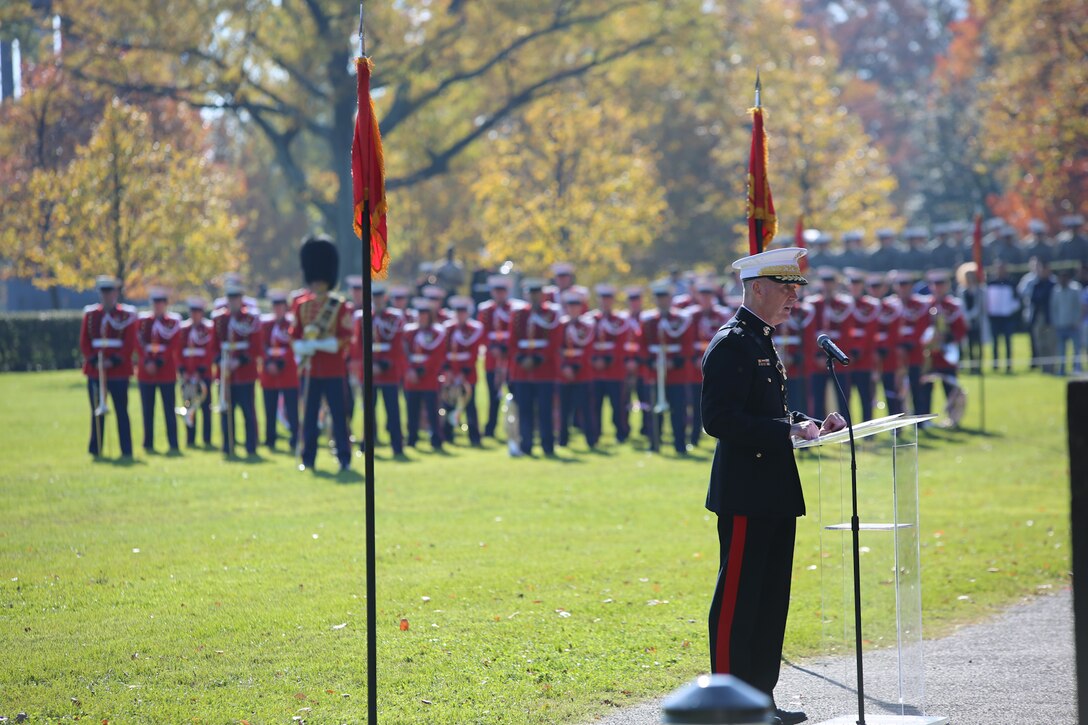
832	350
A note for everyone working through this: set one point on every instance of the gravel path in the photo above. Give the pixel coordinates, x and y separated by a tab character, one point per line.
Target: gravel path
1017	668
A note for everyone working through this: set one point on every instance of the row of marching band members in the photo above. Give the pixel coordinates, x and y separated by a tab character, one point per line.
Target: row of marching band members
549	361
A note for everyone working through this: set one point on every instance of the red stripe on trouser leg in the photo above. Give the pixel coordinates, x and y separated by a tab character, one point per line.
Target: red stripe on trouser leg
729	592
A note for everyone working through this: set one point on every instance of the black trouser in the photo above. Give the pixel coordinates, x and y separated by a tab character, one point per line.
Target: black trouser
147	403
117	391
695	394
917	391
676	395
494	401
349	403
862	382
645	402
752	597
272	398
332	390
974	347
948	382
535	405
205	418
414	400
577	398
1002	326
891	393
241	396
391	400
614	391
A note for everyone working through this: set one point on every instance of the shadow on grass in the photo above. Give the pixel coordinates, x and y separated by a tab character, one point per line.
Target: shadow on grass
118	462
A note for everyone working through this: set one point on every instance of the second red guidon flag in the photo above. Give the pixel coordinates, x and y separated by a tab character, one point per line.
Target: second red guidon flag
368	174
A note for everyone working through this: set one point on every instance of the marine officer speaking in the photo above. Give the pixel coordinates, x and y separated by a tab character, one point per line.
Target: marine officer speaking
754	486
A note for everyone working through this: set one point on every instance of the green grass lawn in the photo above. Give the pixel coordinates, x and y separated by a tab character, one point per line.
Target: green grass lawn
192	589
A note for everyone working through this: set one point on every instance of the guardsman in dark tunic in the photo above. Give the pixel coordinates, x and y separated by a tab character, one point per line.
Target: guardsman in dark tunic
535	334
279	372
755	489
107	341
195	362
494	315
608	358
860	344
157	340
851	254
887	255
465	338
1072	250
322	333
575	371
389	361
668	338
237	350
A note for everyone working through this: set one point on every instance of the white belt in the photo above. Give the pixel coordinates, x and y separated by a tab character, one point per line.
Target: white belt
668	348
277	351
700	345
382	347
631	347
418	357
498	335
790	340
604	345
154	347
193	352
906	329
460	356
532	344
101	342
572	353
232	346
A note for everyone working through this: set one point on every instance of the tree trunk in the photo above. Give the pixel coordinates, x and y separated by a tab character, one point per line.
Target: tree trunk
339	218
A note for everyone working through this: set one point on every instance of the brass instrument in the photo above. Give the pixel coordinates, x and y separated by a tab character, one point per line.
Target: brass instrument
662	404
512	424
938	338
194	392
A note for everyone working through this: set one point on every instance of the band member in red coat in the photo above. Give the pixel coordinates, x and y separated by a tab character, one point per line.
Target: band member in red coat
887	340
107	341
353	387
322	334
709	315
575	371
668	339
157	340
389	362
794	338
425	342
279	372
947	329
494	315
466	337
608	360
535	335
237	349
861	344
913	324
636	380
195	362
833	310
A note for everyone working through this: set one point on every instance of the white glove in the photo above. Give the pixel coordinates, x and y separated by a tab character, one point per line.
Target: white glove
303	348
326	344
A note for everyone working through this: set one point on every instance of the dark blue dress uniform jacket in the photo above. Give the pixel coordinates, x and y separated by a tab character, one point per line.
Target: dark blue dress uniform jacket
744	407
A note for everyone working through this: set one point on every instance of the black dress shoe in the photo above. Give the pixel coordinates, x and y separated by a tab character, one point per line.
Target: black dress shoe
790	717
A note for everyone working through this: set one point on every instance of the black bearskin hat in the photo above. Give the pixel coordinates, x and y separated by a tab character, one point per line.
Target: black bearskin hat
320	260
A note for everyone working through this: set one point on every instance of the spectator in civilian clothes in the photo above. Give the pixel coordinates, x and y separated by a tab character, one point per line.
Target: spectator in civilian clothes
1065	316
1001	306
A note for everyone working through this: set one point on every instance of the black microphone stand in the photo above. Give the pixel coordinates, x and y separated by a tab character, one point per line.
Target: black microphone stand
855	528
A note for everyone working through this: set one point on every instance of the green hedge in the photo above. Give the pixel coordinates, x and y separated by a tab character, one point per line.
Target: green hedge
40	340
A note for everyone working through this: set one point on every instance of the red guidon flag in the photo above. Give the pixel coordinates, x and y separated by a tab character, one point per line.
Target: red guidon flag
368	174
762	223
799	241
976	248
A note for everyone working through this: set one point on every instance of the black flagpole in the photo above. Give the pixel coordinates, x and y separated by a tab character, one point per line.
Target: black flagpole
368	444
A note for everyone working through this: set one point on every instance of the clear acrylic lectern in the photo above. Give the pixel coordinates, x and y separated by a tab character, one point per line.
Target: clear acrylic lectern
891	588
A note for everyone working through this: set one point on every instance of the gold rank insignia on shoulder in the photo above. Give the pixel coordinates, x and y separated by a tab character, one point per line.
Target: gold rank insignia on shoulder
764	362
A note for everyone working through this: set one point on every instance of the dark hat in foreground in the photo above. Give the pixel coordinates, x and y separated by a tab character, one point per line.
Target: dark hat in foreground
320	261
